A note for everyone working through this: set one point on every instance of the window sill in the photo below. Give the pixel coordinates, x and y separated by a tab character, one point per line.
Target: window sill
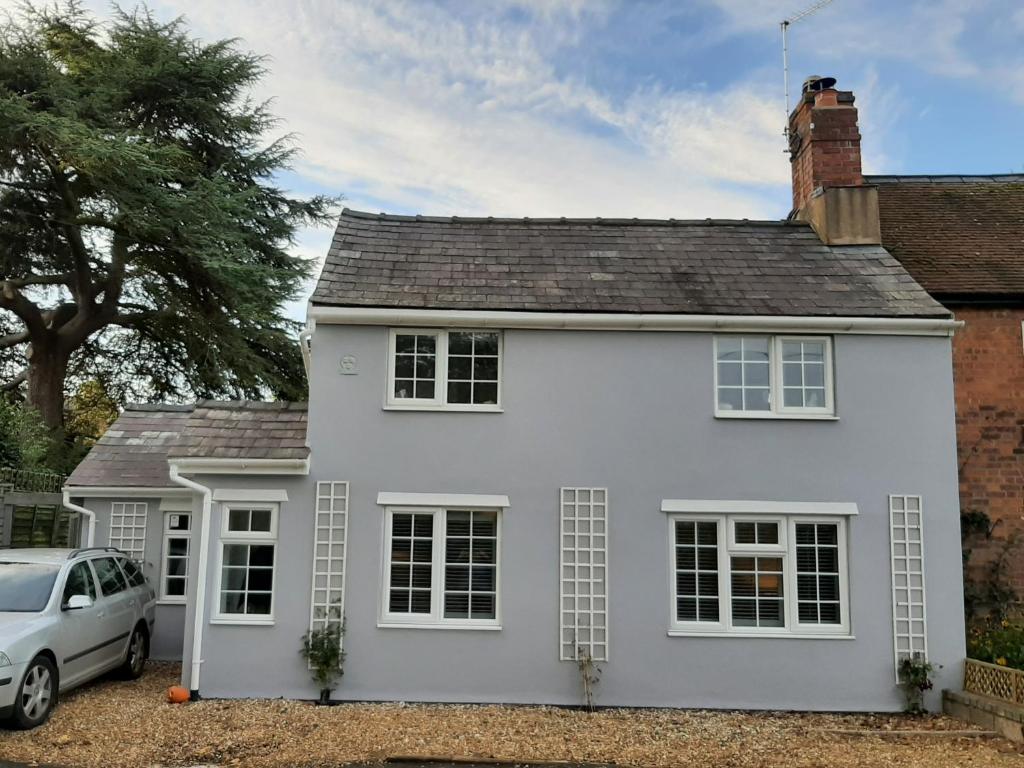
763	635
446	408
163	601
230	621
754	415
413	625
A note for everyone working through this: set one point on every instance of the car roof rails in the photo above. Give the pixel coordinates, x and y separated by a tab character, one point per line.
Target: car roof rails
83	550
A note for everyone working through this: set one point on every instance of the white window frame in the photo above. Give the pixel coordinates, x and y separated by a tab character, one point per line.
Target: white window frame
775	373
435	619
169	534
440	400
786	549
246	537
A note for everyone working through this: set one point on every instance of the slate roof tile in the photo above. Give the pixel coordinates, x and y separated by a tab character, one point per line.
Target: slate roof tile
135	450
610	265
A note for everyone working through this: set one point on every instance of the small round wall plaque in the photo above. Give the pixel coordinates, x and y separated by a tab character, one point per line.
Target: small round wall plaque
349	365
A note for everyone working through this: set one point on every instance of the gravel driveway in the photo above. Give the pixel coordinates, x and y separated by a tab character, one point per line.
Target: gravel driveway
115	724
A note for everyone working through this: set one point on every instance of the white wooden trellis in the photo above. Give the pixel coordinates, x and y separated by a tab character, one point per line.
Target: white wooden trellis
330	544
128	528
583	573
909	615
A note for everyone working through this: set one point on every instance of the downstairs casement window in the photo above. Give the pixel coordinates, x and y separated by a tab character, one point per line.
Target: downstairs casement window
759	576
246	572
446	370
177	547
441	567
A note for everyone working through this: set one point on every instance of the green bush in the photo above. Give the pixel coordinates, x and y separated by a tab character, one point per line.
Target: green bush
1001	644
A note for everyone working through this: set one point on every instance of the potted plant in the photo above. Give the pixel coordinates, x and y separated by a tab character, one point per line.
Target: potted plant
321	648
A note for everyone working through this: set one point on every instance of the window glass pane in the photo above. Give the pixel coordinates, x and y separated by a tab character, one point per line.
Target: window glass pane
460	343
110	577
471	556
415	366
260	520
757	590
411	562
247	579
757	399
817	564
696	557
460	392
730	399
180	521
755	374
485	394
79	583
238	520
730	348
730	374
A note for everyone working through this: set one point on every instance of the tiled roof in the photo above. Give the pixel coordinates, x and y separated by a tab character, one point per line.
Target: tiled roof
134	450
957	235
611	265
244	430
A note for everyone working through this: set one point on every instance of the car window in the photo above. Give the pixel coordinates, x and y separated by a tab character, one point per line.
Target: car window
132	571
110	576
79	582
26	587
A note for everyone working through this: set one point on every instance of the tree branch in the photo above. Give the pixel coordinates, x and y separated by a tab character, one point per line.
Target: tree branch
79	252
16	382
13	339
14	301
60	279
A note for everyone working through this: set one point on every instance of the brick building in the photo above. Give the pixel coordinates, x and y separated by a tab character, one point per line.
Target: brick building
962	239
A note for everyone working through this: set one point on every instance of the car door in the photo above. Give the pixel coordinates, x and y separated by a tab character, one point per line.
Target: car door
139	589
82	631
116	609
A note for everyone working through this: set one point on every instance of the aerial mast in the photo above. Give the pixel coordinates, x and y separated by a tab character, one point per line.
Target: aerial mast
784	25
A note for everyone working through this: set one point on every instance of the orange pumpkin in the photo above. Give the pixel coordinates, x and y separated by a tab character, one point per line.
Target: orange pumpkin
176	694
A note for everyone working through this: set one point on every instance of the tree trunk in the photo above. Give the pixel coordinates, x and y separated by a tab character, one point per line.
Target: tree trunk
46	371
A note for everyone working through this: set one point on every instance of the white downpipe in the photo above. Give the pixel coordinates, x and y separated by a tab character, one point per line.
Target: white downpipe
90	531
204	547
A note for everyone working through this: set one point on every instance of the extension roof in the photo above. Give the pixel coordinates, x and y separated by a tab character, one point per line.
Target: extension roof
134	451
611	265
959	236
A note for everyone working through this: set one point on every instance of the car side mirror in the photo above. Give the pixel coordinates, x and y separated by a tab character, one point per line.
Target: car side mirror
77	602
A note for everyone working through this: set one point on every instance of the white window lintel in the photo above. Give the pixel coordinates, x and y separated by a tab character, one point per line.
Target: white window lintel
744	507
250	494
394	499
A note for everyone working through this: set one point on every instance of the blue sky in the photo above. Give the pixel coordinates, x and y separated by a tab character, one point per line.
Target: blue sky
614	107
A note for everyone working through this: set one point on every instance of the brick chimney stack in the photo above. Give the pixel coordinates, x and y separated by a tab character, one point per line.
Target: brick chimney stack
828	188
824	140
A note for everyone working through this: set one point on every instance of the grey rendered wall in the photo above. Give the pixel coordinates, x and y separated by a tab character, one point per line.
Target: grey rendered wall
632	412
166	643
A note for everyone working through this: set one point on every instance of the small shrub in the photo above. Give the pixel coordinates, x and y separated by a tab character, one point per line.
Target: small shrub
321	648
915	679
1001	644
590	674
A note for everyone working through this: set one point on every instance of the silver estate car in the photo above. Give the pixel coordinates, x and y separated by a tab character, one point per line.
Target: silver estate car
67	616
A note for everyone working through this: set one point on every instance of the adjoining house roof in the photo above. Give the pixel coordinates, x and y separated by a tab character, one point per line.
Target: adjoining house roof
611	265
244	430
133	453
959	236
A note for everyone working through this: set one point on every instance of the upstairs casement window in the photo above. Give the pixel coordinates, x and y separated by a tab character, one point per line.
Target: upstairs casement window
773	376
773	576
444	370
441	567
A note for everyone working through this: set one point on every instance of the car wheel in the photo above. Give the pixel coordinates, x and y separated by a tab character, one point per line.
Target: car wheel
37	695
135	658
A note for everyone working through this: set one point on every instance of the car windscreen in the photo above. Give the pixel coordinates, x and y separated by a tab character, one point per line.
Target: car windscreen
26	587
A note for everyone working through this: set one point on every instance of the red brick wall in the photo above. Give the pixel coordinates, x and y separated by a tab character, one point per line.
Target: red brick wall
828	154
988	371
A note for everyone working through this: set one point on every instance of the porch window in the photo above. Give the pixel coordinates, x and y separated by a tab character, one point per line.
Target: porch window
176	551
247	563
128	528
